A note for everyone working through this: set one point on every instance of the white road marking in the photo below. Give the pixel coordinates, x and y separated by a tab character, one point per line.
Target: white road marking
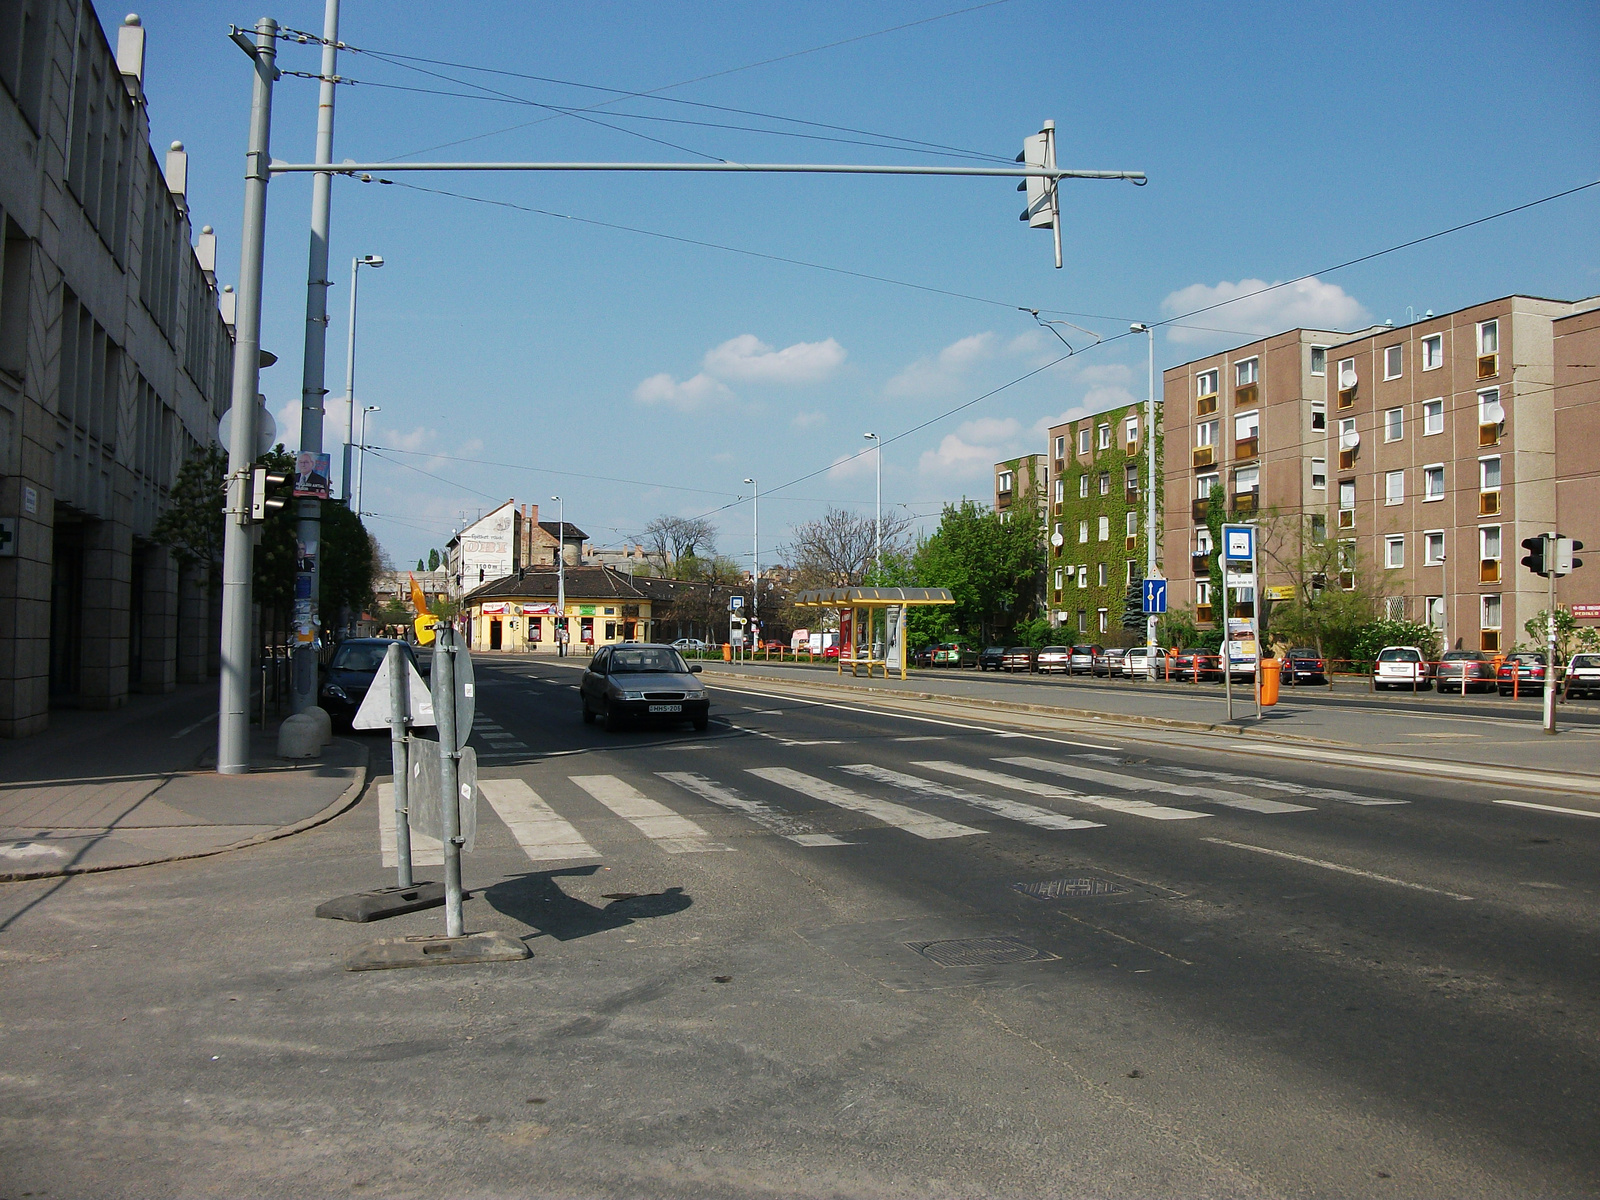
1135	808
1340	867
32	850
1276	785
1552	808
495	737
426	851
1015	810
541	832
925	737
763	815
1135	783
674	834
887	811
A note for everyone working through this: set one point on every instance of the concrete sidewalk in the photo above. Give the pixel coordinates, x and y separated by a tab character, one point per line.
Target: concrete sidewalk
102	790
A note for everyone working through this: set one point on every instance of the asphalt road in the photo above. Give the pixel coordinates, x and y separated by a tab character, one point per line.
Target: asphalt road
825	951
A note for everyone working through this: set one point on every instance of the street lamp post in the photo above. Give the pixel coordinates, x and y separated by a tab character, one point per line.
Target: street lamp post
361	459
755	549
561	577
365	260
1150	492
877	519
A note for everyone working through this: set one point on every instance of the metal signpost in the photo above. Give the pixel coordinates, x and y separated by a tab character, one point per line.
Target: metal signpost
1238	550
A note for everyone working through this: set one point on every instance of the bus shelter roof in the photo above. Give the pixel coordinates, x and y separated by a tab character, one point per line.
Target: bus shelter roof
871	597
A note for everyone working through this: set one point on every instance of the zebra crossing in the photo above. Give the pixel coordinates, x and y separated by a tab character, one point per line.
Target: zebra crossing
1062	795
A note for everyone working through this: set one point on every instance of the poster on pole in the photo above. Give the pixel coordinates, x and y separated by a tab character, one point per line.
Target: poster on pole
311	475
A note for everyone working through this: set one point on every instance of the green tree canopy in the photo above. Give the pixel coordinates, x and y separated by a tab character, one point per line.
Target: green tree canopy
991	566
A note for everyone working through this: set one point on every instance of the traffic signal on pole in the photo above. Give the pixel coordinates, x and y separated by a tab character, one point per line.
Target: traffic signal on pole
1044	206
1566	548
1534	560
264	486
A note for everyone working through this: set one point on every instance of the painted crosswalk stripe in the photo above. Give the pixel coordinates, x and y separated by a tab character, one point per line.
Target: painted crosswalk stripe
1135	808
1135	783
887	811
541	832
674	834
1276	785
426	851
764	815
1015	810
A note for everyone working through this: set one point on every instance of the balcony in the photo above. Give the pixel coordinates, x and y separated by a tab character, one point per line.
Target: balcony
1347	518
1489	570
1489	504
1198	509
1057	507
1249	394
1489	639
1347	396
1131	542
1200	564
1205	405
1132	495
1247	502
1347	459
1202	614
1347	580
1488	366
1132	448
1204	456
1249	447
1002	500
1489	433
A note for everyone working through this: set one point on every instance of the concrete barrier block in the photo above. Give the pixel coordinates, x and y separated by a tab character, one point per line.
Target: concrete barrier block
324	722
300	736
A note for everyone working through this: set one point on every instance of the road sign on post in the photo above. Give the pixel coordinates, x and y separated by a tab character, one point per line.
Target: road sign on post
1155	596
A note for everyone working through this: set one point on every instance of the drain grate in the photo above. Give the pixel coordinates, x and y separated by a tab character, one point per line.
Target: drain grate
1067	889
978	952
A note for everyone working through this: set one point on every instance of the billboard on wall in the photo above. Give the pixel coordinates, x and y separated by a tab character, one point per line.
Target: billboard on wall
486	547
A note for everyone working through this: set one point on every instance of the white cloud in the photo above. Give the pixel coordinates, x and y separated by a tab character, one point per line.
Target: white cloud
695	392
938	374
808	420
1308	303
1106	373
853	466
747	359
972	450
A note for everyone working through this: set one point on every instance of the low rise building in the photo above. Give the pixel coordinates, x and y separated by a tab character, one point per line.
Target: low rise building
521	612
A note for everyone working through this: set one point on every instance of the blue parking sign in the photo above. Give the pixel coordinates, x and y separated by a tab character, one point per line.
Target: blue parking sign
1155	596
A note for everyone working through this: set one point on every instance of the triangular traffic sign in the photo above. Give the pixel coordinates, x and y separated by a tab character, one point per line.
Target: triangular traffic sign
376	707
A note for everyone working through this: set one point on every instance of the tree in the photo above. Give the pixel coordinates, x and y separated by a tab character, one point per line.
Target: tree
1375	635
991	566
1569	637
433	560
192	525
349	562
673	539
1333	600
1133	614
838	549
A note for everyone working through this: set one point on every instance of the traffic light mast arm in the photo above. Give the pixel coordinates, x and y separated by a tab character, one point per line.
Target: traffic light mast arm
380	168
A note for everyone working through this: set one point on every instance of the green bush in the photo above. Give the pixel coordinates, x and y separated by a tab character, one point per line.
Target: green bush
1375	635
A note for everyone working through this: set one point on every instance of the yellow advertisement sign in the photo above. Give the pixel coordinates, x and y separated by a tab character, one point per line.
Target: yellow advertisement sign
1280	591
424	627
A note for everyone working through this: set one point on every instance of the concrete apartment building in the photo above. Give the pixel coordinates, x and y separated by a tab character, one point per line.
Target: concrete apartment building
114	366
1018	479
1427	452
1577	417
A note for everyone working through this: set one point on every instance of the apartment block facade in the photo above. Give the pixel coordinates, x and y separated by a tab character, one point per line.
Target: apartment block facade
114	367
1018	480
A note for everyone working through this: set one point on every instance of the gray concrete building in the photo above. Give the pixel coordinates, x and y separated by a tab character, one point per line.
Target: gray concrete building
114	366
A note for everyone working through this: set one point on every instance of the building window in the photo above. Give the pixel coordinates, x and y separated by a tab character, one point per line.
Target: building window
1489	611
1105	528
1433	547
1489	543
1102	616
1061	489
1394	608
1205	383
1101	574
1319	527
1433	612
1060	578
1347	373
1130	430
1246	480
1319	360
1083	576
1105	483
1347	493
1203	485
1392	358
1083	621
1433	352
1202	592
1489	474
1246	425
1394	487
1103	438
1394	424
1245	373
1319	474
1205	433
1319	414
1132	524
1083	486
1083	440
1489	339
1061	446
1432	483
1432	417
1130	479
1133	574
1490	410
1003	481
1083	531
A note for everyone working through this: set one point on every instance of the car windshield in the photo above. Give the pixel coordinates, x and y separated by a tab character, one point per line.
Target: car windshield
1586	660
1399	654
1302	652
1531	660
1054	650
995	650
647	660
360	656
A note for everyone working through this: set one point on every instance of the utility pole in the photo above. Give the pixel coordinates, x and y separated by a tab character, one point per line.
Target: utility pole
877	520
561	577
307	615
755	549
365	260
1150	496
233	699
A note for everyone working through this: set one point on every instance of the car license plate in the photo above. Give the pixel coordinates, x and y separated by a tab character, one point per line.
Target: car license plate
666	708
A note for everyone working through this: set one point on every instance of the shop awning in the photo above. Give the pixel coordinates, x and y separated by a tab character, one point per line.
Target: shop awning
870	597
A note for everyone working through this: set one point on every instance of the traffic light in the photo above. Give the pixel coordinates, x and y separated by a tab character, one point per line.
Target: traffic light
1534	560
264	484
1566	547
1044	207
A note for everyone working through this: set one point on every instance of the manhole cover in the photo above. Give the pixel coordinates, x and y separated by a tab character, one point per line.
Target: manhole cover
977	952
1066	889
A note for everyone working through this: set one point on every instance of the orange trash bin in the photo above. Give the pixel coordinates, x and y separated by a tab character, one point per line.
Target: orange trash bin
727	652
1270	673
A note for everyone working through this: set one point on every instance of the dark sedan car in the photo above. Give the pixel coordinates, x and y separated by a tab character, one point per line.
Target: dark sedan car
991	658
1185	664
1465	671
1522	675
922	656
1304	665
1018	658
644	682
350	672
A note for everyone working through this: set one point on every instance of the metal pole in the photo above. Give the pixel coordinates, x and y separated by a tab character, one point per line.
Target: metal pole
233	700
562	633
755	548
361	455
1550	640
399	732
350	377
444	709
1150	487
307	619
1021	172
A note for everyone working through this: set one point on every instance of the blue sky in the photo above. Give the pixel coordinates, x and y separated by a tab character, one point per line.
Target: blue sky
1279	140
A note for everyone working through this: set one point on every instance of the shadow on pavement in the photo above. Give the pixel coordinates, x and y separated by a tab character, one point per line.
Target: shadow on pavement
536	899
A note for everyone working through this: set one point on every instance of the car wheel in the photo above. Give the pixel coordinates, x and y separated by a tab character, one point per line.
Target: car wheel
613	720
701	724
588	713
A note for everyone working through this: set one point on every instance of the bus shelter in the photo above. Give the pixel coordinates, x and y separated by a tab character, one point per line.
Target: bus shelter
860	610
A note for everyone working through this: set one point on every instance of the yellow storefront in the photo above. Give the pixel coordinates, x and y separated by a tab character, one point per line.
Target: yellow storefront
518	615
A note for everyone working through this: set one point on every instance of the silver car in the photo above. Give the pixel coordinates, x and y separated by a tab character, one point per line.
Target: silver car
1053	658
643	682
1583	676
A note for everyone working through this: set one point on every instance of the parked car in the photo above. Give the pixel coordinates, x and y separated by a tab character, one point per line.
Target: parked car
832	651
1583	676
1018	658
991	658
642	682
922	656
683	644
1522	674
1137	662
1304	665
1053	658
1108	662
955	654
1465	671
1185	663
350	672
1401	666
1082	661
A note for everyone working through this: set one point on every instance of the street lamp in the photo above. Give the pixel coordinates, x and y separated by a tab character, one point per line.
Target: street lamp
361	459
365	260
561	578
1150	494
755	549
877	520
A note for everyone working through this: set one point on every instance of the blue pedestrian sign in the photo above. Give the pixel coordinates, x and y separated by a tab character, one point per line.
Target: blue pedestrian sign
1155	596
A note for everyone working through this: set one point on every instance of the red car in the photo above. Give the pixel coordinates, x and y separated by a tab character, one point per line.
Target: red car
831	652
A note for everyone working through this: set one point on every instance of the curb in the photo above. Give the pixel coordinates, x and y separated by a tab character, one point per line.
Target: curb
346	801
